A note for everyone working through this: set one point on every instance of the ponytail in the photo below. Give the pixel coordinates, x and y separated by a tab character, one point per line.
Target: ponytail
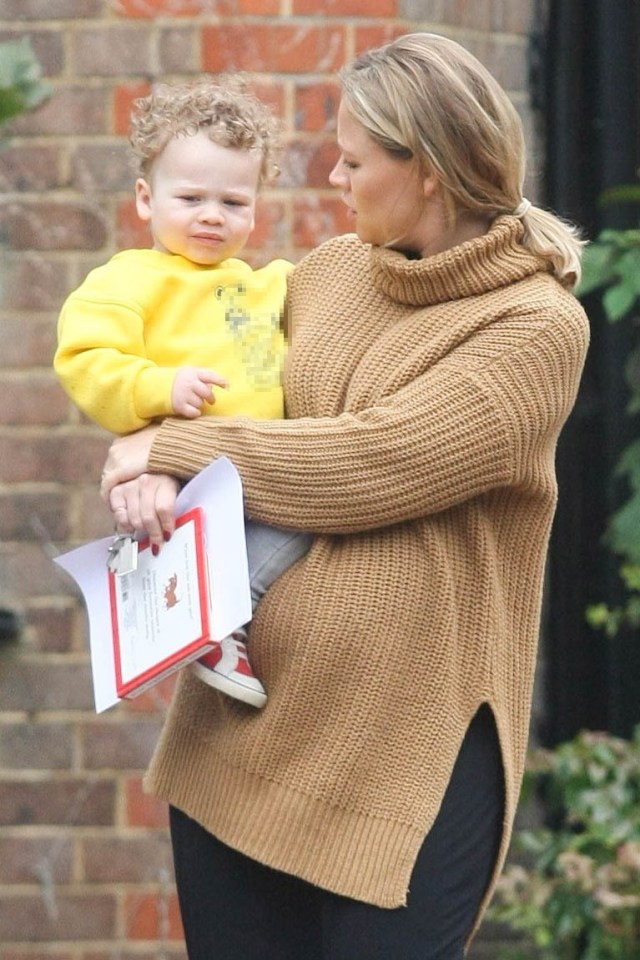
554	239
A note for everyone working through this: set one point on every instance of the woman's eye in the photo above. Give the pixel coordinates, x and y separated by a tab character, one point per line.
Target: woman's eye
349	164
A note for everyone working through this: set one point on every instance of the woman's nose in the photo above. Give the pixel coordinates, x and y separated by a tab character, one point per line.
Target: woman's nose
337	177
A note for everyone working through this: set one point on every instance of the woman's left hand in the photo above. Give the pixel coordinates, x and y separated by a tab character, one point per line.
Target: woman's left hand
127	459
146	504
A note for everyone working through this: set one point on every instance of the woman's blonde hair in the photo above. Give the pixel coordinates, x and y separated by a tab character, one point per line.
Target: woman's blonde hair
425	98
223	107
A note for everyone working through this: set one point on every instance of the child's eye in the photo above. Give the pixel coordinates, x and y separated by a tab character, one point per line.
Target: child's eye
235	203
190	198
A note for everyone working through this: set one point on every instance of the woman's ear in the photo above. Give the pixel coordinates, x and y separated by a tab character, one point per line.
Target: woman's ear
143	199
431	186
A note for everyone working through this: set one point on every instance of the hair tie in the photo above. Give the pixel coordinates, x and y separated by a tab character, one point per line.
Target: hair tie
523	207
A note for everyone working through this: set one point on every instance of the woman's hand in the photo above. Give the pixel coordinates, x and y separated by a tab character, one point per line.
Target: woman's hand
145	504
127	459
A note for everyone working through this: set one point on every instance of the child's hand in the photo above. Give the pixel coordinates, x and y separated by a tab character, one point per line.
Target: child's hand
192	388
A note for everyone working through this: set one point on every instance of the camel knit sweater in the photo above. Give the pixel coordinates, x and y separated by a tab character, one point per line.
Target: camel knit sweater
426	398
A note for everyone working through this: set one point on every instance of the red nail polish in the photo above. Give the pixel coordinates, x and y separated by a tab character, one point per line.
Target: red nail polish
155	549
167	536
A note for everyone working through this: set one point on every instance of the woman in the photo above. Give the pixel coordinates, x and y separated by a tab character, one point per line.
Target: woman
365	814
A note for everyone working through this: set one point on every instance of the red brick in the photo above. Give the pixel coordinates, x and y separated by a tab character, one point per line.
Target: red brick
153	916
69	110
124	96
32	167
368	36
158	8
103	168
271	224
164	951
33	746
280	48
109	51
22	858
27	341
273	94
44	685
316	106
149	9
179	50
93	519
346	8
128	858
78	801
49	9
143	810
309	162
26	513
28	572
259	7
318	218
31	281
51	628
38	399
124	744
47	46
30	952
66	458
131	232
76	917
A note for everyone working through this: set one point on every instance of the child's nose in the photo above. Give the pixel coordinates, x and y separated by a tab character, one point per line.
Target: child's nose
211	213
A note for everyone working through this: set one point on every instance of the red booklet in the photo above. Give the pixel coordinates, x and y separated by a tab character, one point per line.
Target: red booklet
160	612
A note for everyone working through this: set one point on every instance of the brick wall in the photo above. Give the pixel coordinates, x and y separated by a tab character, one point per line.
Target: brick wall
85	870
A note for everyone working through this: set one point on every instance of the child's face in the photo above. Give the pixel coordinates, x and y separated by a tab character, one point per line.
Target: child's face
200	198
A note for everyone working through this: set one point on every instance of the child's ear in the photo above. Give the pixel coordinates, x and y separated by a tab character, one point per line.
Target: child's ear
143	199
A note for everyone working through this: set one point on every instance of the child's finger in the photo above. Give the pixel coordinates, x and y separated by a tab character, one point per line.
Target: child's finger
212	378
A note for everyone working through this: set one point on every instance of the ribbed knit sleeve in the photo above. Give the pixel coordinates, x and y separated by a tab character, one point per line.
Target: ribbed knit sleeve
462	413
438	443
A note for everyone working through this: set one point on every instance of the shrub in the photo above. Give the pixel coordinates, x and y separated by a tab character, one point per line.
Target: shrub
576	893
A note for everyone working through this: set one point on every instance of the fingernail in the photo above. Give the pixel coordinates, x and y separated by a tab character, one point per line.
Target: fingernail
167	536
155	549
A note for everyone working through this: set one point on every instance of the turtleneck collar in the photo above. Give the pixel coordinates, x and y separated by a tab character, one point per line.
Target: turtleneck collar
485	263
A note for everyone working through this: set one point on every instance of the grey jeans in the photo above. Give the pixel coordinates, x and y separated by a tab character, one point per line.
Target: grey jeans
271	551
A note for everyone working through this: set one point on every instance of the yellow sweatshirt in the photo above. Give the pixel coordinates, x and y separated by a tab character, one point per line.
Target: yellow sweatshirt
426	398
134	320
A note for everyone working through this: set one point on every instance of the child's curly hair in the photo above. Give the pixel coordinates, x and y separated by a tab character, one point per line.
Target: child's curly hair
232	116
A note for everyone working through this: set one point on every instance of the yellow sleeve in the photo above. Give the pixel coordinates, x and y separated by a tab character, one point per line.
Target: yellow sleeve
102	364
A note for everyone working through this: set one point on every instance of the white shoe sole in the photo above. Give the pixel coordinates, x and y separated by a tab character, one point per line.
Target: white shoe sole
231	687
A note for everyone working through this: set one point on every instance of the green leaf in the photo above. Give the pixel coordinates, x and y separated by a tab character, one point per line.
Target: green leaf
623	534
628	464
628	268
621	193
21	87
598	267
618	299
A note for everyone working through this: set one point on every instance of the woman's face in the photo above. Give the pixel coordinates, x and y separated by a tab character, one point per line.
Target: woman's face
391	202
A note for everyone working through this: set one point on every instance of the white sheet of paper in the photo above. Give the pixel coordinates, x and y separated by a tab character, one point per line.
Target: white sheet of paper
218	490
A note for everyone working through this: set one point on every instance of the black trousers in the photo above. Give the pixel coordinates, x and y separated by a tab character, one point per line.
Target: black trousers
234	908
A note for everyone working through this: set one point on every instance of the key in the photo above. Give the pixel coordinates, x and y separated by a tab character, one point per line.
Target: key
123	555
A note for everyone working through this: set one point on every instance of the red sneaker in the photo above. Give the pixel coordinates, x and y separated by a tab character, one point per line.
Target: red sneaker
226	667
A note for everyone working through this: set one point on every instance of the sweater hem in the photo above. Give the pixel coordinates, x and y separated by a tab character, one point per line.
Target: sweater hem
343	851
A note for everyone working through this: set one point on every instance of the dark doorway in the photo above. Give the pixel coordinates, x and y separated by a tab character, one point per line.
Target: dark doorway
587	85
